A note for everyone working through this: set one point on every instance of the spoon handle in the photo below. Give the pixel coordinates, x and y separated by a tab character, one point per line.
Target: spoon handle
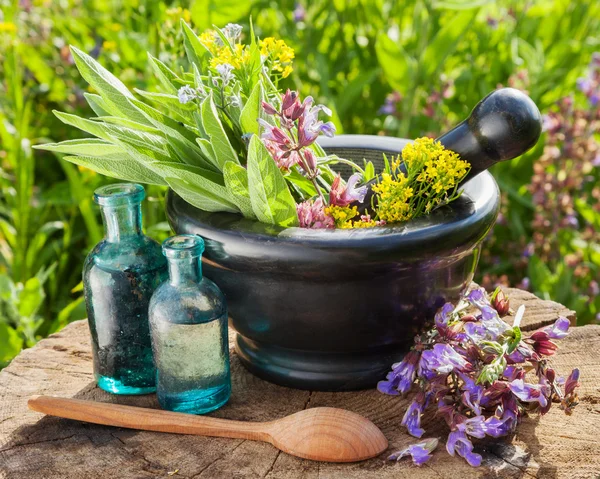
147	419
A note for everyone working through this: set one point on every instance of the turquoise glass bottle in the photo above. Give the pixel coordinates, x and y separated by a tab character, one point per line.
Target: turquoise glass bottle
188	321
119	276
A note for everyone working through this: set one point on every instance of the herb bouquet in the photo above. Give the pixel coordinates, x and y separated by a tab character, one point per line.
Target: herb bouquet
224	138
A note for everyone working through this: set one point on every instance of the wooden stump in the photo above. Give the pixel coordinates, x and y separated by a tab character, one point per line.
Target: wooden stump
33	446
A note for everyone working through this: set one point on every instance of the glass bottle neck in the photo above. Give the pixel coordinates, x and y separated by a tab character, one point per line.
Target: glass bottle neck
185	270
121	221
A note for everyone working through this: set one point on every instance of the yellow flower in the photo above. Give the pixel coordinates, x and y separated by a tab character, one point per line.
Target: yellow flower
7	27
109	46
432	172
342	215
279	54
209	41
187	16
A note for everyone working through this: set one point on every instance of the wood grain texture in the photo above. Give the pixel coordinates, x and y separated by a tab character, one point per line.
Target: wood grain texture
33	446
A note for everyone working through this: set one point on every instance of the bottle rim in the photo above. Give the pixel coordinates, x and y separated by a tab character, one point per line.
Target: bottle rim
183	246
119	194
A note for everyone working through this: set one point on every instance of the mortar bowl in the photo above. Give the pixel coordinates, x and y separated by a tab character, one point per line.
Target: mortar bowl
332	310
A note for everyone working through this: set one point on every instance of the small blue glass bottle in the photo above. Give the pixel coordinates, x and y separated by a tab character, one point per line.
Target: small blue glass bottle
119	276
188	321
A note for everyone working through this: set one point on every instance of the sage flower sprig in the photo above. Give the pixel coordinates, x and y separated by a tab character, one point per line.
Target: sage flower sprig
478	373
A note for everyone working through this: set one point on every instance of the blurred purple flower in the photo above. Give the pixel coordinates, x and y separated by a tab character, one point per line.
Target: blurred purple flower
390	107
299	13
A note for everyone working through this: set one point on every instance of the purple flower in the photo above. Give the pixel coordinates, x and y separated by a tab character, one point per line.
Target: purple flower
186	94
529	392
224	70
310	127
343	195
420	452
299	13
559	329
444	359
572	382
401	378
474	426
496	427
312	215
519	355
412	416
443	315
596	160
459	443
472	394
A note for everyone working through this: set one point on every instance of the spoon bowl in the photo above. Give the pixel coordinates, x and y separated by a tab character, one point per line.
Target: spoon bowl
320	434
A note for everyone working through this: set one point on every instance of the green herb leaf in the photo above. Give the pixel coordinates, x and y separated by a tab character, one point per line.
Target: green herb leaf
200	197
236	181
270	196
122	167
86	146
111	89
224	152
194	50
251	111
165	75
97	104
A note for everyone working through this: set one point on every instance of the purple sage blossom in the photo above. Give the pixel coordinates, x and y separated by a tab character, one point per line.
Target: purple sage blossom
412	416
402	375
559	329
444	359
459	443
443	315
312	215
572	382
343	195
529	392
420	452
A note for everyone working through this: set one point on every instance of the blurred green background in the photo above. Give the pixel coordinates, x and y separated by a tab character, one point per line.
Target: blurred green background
408	69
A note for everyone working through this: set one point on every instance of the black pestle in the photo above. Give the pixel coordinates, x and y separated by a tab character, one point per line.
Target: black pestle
502	126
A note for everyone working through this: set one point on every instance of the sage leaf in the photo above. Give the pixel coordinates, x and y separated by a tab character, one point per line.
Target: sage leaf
211	122
236	181
165	75
86	146
194	50
251	111
97	104
270	196
122	167
111	89
200	197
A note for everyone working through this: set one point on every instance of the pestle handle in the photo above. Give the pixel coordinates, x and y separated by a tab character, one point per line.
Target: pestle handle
502	126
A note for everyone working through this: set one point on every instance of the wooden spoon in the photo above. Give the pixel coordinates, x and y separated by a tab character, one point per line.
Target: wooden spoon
321	433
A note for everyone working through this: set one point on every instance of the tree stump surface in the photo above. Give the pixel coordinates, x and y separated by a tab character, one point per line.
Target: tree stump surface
34	446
